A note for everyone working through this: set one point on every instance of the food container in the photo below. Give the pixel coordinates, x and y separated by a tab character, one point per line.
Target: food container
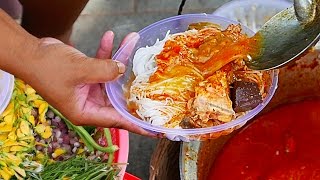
121	138
148	36
6	88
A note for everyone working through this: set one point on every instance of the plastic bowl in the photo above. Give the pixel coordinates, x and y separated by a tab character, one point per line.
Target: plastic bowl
148	37
6	88
121	156
251	13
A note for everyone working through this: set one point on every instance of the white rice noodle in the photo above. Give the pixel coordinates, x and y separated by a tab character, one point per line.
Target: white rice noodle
144	65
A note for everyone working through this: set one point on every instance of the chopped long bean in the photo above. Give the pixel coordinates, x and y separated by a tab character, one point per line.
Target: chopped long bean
89	141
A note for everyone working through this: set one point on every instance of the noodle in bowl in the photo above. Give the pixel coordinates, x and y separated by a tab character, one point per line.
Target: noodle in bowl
151	96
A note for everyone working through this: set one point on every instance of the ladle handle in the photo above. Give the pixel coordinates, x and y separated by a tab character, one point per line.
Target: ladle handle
306	10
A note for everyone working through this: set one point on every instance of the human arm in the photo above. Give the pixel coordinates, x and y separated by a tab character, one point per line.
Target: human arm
62	75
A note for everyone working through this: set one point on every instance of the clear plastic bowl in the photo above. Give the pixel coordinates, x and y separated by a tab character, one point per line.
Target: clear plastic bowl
148	37
251	13
6	88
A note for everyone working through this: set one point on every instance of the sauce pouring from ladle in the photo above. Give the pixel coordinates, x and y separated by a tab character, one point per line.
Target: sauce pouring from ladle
286	36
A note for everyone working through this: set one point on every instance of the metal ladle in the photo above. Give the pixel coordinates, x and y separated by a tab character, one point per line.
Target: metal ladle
287	35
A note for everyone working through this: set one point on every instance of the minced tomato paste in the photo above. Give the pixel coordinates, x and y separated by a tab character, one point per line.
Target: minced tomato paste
282	144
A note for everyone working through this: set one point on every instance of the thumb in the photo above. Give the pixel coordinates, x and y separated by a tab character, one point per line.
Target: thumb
101	71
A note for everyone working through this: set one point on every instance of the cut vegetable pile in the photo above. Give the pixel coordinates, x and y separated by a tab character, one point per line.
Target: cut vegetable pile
37	142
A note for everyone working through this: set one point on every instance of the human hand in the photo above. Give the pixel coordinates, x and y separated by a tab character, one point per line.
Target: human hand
70	82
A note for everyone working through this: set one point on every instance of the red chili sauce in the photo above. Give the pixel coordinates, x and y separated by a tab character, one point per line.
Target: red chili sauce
283	144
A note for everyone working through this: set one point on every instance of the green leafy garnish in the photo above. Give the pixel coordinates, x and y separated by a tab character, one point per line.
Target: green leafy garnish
78	168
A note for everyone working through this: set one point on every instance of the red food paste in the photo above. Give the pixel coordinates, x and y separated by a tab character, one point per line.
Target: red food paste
282	144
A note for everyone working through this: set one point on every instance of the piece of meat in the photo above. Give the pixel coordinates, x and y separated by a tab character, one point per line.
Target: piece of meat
212	98
188	123
245	96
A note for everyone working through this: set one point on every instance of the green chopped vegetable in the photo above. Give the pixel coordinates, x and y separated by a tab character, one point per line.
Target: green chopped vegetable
86	137
77	168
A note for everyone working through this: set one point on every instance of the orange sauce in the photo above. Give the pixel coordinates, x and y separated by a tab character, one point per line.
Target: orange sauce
233	51
217	47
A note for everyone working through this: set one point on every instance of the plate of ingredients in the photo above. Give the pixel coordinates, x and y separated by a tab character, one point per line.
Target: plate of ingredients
37	142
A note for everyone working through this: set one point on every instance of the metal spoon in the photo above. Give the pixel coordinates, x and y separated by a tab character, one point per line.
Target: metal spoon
287	35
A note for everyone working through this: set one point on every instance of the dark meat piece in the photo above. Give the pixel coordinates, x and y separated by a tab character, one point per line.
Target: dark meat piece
245	96
188	123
